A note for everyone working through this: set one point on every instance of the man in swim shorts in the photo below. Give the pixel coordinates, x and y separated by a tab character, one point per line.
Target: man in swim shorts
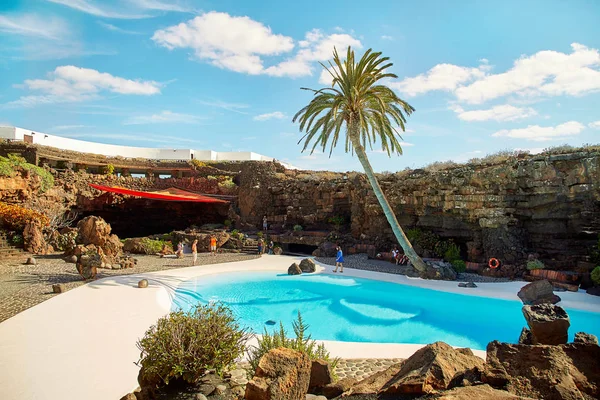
213	245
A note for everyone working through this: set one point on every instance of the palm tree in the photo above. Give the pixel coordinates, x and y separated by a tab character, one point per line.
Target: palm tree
358	101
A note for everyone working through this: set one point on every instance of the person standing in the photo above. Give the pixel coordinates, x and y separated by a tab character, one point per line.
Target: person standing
260	246
213	245
265	224
179	250
271	247
339	260
195	251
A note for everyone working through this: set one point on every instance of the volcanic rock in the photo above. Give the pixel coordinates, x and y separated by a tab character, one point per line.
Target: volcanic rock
281	374
582	337
538	292
562	372
320	375
294	269
549	323
308	265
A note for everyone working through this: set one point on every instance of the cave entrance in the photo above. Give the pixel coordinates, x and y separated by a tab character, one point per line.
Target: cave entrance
296	248
134	217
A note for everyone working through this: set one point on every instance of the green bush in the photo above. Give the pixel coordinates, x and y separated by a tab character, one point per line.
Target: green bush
535	264
260	234
186	344
459	265
153	246
228	223
109	169
298	228
596	275
452	253
337	221
301	343
16	239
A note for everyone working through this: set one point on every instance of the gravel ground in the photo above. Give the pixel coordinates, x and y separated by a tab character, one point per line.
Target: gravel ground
24	286
361	261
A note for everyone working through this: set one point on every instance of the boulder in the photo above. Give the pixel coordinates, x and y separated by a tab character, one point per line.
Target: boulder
59	288
335	389
33	238
439	271
294	269
281	374
568	371
127	262
134	246
477	392
437	366
467	285
143	283
538	292
320	375
278	251
71	259
308	265
374	383
95	231
549	323
31	261
327	249
88	264
594	291
582	337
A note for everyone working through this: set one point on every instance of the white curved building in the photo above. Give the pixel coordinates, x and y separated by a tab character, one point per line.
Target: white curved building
112	150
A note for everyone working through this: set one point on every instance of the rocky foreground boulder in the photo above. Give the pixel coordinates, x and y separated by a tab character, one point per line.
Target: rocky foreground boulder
294	269
435	367
563	372
96	231
548	323
281	374
538	292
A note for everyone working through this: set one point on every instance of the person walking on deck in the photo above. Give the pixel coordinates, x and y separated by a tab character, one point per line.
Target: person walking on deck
195	251
339	260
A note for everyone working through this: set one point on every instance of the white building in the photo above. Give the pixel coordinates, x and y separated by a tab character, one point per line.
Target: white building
112	150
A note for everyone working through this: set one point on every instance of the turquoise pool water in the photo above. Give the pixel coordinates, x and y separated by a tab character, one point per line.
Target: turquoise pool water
362	310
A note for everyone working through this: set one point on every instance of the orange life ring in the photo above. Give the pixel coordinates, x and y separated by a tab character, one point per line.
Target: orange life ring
493	263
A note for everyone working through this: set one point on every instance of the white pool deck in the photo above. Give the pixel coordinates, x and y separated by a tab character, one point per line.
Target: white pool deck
81	344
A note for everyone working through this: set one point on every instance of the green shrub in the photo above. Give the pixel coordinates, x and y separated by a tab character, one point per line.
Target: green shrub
302	343
186	344
298	228
260	234
596	275
535	264
153	246
109	169
228	223
459	265
227	184
16	239
452	253
337	221
235	233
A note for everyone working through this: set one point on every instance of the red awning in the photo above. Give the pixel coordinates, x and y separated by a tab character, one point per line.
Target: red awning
170	194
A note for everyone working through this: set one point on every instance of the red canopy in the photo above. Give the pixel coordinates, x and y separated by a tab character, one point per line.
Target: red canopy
170	194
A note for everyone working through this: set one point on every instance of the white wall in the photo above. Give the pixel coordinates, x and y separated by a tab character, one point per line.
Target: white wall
9	132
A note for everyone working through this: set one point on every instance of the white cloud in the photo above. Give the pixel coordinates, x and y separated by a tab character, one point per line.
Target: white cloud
240	43
95	8
543	74
165	116
387	37
46	27
539	134
497	113
60	128
161	5
235	107
114	28
595	125
546	73
445	77
234	43
273	115
69	84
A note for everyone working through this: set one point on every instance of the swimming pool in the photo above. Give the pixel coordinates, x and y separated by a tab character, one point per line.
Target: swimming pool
362	310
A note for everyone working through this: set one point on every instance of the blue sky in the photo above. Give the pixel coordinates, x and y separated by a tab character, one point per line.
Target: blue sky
225	75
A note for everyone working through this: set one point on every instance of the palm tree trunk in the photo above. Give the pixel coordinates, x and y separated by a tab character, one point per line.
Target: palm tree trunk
412	255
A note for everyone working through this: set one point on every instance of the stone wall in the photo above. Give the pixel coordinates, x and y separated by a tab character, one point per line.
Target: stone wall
549	204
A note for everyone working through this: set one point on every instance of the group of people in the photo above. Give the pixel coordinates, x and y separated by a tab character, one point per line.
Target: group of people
261	247
212	245
398	257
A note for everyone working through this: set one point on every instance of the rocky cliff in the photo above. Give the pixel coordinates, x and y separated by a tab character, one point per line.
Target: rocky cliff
549	204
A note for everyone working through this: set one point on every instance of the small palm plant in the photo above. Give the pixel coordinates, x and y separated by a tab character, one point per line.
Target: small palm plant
358	105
